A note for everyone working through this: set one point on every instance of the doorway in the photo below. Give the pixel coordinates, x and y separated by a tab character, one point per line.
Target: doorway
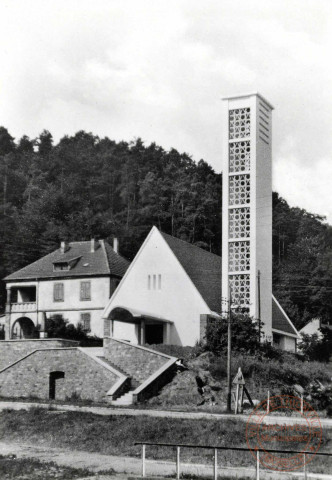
154	334
54	380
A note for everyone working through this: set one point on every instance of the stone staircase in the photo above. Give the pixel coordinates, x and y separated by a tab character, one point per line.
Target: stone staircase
145	369
127	397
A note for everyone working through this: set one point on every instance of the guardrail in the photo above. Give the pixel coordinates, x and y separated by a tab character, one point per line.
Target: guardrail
216	448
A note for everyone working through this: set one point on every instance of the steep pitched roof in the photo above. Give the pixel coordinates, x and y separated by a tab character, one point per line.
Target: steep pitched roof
103	261
203	268
280	320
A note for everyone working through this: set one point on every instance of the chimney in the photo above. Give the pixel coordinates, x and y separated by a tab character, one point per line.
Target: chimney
63	247
94	245
116	245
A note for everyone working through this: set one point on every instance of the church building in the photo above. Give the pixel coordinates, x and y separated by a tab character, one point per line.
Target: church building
172	288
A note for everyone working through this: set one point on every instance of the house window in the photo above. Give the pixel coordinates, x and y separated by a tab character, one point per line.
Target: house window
85	293
58	292
86	321
159	282
154	282
57	267
149	282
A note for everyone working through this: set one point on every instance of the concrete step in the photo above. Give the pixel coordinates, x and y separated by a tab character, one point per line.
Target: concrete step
125	399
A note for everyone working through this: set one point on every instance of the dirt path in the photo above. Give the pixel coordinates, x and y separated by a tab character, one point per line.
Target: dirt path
272	419
96	462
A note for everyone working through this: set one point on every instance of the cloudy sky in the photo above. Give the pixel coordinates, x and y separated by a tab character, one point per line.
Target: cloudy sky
157	69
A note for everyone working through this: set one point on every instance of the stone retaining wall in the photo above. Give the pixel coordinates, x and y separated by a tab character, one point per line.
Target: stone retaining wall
137	362
13	350
83	379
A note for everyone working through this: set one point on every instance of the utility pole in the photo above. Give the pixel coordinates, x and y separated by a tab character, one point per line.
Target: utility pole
229	351
259	304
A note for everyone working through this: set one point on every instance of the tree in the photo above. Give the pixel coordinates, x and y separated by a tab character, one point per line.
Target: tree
315	347
245	334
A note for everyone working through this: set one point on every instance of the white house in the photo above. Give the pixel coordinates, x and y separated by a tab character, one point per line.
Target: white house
170	291
75	281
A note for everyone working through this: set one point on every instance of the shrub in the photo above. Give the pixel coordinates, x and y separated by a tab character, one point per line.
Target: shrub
58	327
314	348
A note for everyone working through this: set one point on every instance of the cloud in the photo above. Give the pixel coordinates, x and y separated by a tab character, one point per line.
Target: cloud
158	69
305	186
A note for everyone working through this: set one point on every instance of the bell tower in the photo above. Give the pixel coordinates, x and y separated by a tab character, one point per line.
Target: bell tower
247	205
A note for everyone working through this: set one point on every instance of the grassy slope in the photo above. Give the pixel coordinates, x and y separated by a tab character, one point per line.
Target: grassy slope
276	375
116	435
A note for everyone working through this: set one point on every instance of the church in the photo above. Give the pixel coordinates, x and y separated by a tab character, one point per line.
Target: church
173	288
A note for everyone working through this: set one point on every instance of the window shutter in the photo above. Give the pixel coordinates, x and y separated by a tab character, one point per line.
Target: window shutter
86	321
58	292
85	293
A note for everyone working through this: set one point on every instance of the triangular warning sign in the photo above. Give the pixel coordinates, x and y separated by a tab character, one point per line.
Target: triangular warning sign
239	379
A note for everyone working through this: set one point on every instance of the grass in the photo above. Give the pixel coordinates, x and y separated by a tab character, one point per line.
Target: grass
30	469
116	435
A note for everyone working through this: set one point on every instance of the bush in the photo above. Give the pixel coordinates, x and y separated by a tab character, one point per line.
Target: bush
58	327
315	348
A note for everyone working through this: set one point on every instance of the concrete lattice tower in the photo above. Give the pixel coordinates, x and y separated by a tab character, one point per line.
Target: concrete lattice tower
247	205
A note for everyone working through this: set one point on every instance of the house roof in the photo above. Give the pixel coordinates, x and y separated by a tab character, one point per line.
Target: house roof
203	268
280	320
103	261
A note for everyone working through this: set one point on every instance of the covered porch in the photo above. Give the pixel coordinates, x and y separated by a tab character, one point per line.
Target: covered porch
137	327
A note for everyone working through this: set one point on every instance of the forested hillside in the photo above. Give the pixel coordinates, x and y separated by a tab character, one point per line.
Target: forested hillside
86	186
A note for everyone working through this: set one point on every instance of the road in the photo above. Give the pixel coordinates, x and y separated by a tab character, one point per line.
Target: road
96	462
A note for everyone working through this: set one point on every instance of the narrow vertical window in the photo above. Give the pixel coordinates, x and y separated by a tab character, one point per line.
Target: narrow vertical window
159	282
154	282
85	293
149	282
86	321
58	292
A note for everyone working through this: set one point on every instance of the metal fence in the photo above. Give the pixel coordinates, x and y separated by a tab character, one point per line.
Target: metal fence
216	448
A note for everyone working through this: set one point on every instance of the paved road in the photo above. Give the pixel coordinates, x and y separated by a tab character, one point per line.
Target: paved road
96	462
272	419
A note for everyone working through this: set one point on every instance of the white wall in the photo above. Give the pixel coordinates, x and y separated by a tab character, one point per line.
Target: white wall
312	327
100	288
177	300
72	306
288	344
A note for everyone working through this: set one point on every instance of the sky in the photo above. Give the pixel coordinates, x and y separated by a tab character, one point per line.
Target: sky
157	69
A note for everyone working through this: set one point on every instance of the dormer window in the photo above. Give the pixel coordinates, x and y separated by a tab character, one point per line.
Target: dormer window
65	265
57	267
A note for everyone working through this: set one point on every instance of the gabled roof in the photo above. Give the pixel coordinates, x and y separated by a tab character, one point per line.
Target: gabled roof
202	267
103	261
280	320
